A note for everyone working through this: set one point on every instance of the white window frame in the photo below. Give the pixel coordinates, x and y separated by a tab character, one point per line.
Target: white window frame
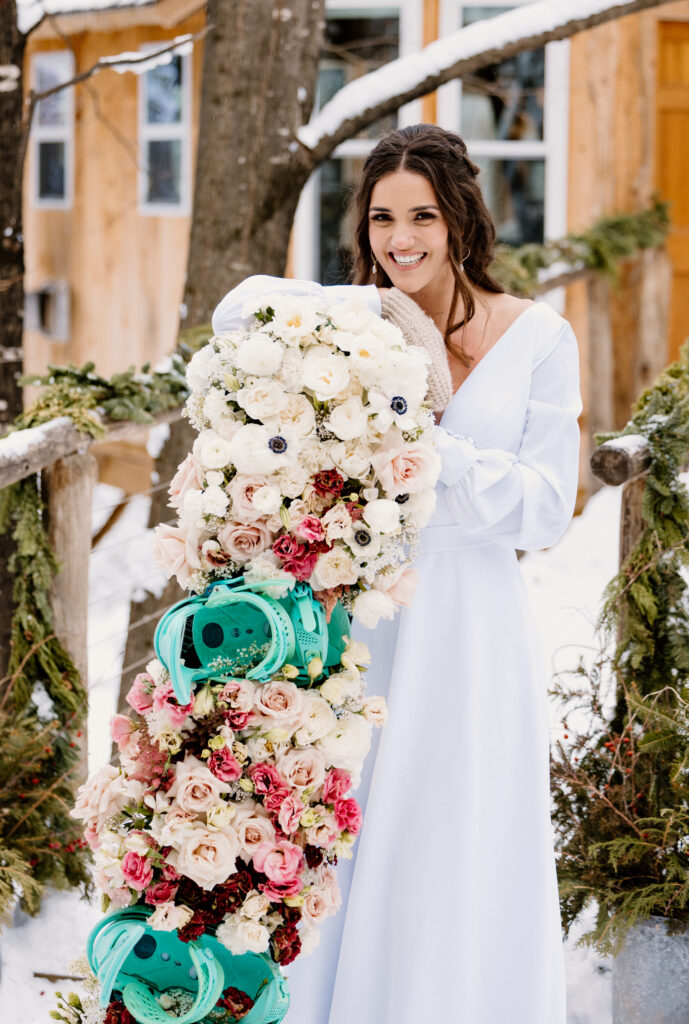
553	148
180	130
306	222
63	62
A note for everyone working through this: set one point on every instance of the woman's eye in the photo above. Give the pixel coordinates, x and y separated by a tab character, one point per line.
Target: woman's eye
380	216
425	215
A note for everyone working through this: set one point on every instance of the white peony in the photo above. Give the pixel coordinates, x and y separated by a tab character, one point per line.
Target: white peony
291	370
263	400
347	744
370	357
348	420
201	368
371	606
382	515
297	415
334	568
325	374
259	355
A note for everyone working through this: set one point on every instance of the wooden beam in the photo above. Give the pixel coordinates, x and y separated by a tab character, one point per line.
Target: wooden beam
431	32
621	460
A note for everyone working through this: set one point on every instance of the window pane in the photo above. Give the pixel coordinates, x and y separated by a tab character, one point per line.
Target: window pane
51	170
53	109
164	93
514	191
337	181
503	101
163	165
353	47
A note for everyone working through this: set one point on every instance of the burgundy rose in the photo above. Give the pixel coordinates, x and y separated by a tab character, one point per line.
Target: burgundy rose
161	892
328	481
117	1013
224	765
286	944
195	928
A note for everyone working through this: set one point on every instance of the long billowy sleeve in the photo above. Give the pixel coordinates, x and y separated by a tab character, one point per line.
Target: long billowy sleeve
234	310
525	500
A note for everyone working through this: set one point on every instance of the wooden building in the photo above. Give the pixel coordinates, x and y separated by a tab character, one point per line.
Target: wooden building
590	126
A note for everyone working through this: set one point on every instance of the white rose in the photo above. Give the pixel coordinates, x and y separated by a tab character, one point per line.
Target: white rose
243	936
348	420
352	458
168	917
212	451
325	375
259	355
267	500
334	568
317	719
298	415
214	501
347	744
255	905
382	515
375	710
201	367
266	567
341	686
371	606
263	400
207	856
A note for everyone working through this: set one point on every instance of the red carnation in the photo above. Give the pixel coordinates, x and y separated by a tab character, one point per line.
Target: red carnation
286	944
224	765
287	547
328	481
265	778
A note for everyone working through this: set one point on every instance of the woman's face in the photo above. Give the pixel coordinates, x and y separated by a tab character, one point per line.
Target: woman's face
407	231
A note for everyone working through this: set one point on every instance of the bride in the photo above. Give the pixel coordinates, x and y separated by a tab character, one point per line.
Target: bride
450	907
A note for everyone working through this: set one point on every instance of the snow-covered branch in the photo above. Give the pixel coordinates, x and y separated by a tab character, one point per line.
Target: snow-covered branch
367	99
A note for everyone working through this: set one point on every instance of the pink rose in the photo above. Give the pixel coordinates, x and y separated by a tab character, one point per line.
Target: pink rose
241	490
281	701
161	892
254	830
280	861
337	784
225	765
406	468
207	856
289	814
348	816
140	693
164	700
244	540
265	778
185	479
124	733
175	549
309	528
103	794
303	768
195	788
137	870
318	904
91	836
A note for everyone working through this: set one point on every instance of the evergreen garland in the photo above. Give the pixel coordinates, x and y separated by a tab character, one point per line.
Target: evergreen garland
599	249
621	784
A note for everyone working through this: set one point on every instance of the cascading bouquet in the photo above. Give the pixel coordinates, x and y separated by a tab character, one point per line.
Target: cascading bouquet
301	501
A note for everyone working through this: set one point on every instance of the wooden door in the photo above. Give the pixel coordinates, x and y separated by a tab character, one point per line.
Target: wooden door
672	165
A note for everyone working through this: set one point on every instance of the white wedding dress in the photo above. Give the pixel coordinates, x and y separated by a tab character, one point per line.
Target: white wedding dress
450	909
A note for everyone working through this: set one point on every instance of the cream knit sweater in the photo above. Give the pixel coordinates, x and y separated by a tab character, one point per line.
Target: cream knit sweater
419	329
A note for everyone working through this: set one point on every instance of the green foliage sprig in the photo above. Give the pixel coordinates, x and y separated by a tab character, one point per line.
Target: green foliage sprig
600	249
621	782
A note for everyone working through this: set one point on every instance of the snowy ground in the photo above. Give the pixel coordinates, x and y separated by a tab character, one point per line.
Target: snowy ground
565	585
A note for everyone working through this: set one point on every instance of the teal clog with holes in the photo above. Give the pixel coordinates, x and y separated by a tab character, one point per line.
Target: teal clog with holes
235	628
130	957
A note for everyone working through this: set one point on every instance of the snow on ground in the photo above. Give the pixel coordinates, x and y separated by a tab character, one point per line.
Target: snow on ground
565	584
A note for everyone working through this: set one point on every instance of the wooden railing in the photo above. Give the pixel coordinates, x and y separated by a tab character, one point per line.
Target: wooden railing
68	477
625	461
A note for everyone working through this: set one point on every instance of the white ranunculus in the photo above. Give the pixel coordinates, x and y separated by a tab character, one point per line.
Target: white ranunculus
371	606
370	357
348	420
259	355
258	449
314	456
296	319
262	400
347	744
211	451
352	458
325	374
215	501
267	499
382	515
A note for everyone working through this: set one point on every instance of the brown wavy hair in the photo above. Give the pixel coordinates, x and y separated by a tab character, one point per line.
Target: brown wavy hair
441	157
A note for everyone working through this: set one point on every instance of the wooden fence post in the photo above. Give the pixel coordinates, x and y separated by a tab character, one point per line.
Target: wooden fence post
68	493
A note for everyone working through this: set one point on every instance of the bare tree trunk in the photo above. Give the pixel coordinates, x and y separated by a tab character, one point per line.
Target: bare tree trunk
259	77
11	265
